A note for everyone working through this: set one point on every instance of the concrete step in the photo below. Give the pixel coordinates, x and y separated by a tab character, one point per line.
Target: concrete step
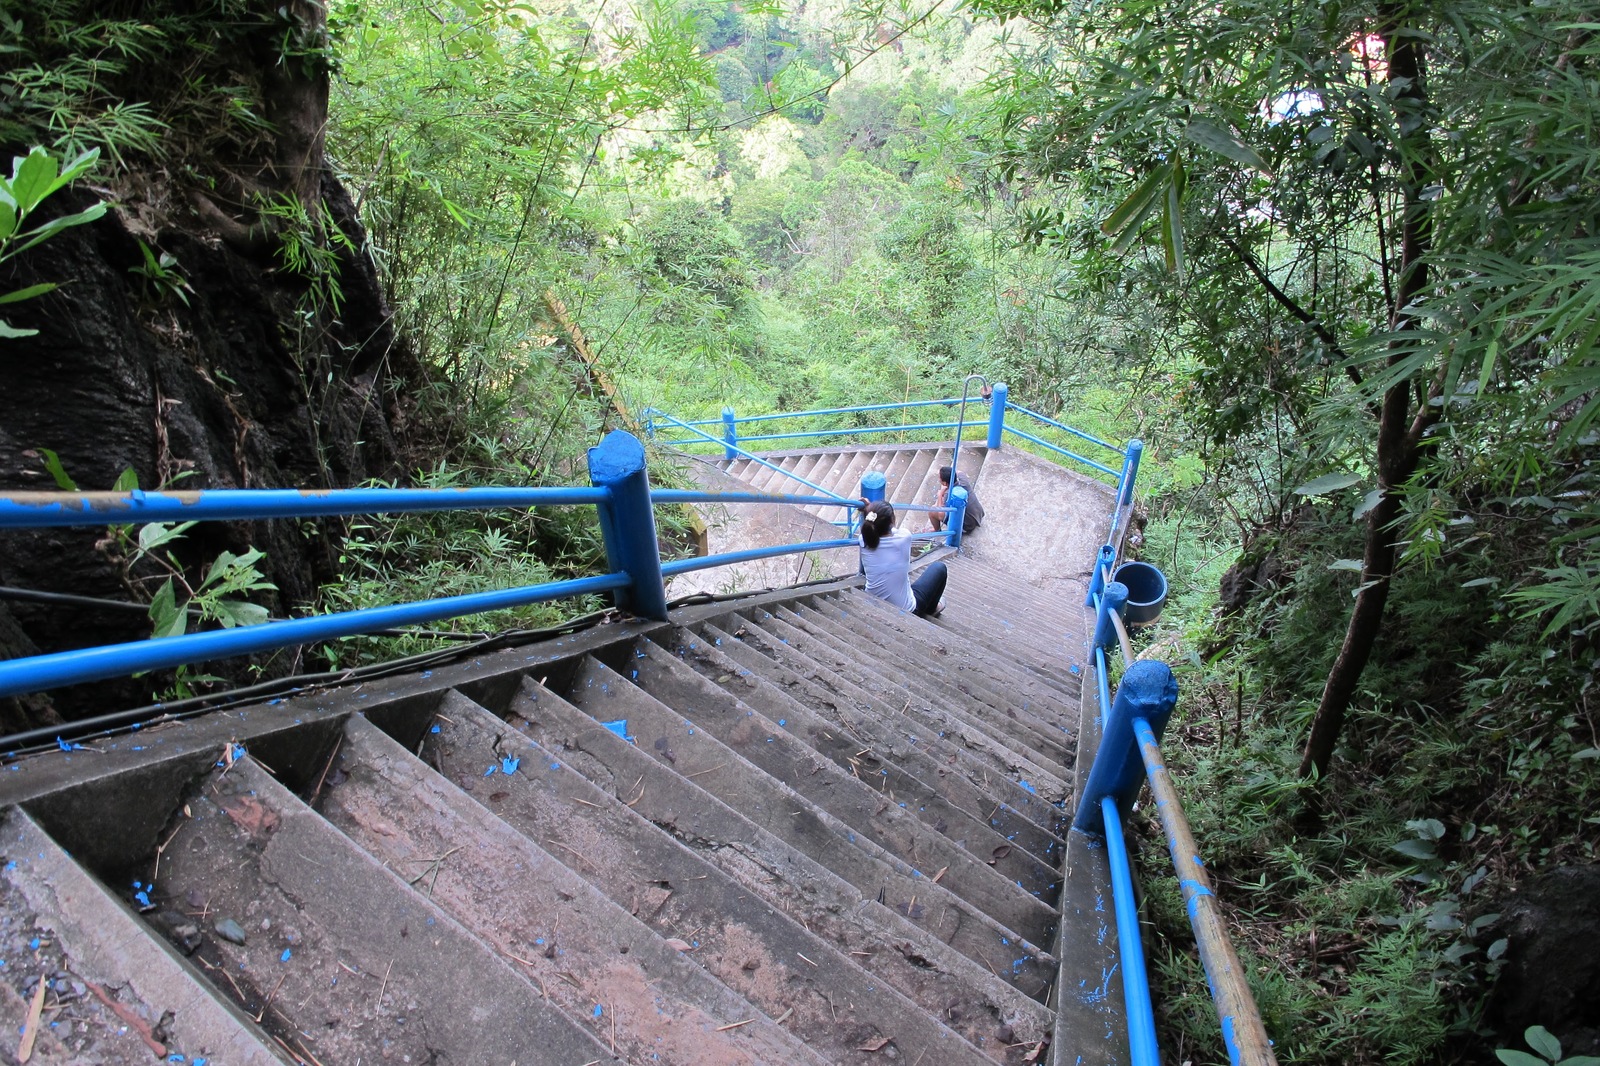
867	808
122	995
895	469
1011	722
909	774
589	956
341	958
771	803
778	858
1053	702
766	917
881	720
953	721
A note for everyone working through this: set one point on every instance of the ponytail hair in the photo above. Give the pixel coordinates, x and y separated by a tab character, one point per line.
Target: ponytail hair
877	520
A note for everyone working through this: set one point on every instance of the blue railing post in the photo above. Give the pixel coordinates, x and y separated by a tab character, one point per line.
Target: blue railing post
956	516
1148	691
873	485
1130	471
1102	566
997	416
730	435
628	523
1112	599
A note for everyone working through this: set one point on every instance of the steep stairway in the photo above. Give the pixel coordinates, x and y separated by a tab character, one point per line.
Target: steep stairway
911	473
798	827
792	826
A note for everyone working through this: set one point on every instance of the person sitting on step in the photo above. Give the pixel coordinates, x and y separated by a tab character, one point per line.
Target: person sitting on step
886	561
973	516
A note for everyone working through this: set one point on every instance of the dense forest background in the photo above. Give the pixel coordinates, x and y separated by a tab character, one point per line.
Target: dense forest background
1337	266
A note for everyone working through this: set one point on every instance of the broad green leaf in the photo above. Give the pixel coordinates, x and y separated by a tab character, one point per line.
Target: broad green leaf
1518	1058
1544	1042
157	534
1346	564
56	225
31	178
1225	142
1581	1060
52	463
1587	753
1498	948
1417	849
8	218
167	618
1480	582
8	330
1427	828
1368	502
233	613
126	481
16	296
1327	483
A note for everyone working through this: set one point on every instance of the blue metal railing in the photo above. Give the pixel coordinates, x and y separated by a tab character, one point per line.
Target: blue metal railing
1128	757
999	403
620	493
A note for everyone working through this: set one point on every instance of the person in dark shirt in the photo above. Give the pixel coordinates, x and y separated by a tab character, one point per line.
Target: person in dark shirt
974	513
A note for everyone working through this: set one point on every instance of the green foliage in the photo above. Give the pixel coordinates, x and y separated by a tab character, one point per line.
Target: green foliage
1549	1052
34	177
162	276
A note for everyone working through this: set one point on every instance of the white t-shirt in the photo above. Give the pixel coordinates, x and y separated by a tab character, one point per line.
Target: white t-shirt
888	569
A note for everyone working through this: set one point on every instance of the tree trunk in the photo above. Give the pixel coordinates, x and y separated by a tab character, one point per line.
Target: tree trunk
1399	433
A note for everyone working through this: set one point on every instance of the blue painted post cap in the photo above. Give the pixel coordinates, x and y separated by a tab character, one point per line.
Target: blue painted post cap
1112	600
874	485
1149	691
618	455
1097	581
998	399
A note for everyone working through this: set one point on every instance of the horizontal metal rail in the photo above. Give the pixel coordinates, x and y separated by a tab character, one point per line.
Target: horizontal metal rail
1030	438
714	496
41	672
1080	434
28	510
834	497
853	431
843	431
706	562
1242	1030
827	411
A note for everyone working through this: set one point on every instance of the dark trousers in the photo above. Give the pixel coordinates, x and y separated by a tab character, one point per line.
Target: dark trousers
927	589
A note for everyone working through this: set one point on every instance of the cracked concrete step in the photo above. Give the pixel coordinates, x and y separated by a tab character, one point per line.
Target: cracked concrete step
772	804
881	718
1007	722
128	996
869	809
1045	633
1010	690
523	897
880	740
778	909
786	858
341	958
909	774
945	719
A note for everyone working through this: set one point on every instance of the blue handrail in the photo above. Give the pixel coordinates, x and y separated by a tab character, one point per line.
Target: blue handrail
621	494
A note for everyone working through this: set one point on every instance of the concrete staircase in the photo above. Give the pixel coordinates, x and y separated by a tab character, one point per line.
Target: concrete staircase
791	827
911	473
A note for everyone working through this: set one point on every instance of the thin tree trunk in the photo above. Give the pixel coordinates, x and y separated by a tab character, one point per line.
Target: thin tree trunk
1399	433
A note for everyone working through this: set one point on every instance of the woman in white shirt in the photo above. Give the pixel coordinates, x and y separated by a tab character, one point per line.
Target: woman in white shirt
886	561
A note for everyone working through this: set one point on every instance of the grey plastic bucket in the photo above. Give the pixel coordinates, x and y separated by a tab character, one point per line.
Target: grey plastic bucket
1147	592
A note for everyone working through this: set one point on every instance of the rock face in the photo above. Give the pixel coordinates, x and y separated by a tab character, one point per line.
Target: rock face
256	376
1551	975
